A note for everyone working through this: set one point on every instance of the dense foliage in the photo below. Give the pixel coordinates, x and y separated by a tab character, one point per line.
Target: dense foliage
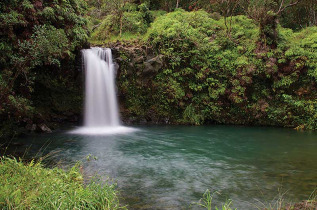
226	61
300	15
30	186
39	41
118	19
126	22
210	76
292	13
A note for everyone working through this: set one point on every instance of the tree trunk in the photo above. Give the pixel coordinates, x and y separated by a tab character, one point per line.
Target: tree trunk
268	31
177	3
121	17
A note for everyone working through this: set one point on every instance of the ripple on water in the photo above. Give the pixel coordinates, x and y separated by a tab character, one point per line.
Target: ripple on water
169	167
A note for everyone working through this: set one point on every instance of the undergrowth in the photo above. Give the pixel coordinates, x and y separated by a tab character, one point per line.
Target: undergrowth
31	186
278	203
209	74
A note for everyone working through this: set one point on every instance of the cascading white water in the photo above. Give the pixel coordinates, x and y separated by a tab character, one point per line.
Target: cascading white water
100	98
101	115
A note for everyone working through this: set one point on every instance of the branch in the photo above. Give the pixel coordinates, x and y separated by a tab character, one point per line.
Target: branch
95	26
281	9
281	5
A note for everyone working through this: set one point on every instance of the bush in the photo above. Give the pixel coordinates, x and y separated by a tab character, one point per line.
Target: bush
105	30
212	74
39	41
135	22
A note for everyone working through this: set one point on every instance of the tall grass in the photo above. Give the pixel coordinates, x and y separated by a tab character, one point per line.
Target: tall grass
206	202
31	186
278	203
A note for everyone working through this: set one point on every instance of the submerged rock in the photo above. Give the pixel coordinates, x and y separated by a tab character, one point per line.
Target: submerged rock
31	127
308	204
44	128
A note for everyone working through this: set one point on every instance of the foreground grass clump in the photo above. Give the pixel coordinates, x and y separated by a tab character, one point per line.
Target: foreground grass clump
31	186
278	203
207	202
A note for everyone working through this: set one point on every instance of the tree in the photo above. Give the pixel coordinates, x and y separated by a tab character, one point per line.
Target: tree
116	7
36	38
177	3
304	14
266	13
227	10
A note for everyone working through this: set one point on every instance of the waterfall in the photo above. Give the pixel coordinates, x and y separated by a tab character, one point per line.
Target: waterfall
101	108
101	115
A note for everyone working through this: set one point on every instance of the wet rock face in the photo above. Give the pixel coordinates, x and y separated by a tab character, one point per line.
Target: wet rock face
138	67
153	65
41	128
137	60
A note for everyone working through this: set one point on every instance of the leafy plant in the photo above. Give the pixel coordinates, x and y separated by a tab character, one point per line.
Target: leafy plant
30	186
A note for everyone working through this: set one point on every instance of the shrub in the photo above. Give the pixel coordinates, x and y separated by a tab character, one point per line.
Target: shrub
210	75
39	41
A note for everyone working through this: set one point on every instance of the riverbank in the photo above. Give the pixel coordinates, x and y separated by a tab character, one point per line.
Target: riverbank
161	167
31	186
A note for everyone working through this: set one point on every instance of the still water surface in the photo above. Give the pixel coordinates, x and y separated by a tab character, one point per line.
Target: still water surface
169	167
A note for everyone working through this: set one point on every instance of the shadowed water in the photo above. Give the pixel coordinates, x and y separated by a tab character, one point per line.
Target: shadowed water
169	167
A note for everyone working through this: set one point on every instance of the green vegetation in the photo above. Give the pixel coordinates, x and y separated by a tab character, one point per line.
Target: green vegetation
209	75
125	21
206	202
39	43
192	62
219	61
278	204
30	186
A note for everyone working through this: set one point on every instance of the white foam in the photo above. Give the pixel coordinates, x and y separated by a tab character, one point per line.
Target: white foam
103	131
